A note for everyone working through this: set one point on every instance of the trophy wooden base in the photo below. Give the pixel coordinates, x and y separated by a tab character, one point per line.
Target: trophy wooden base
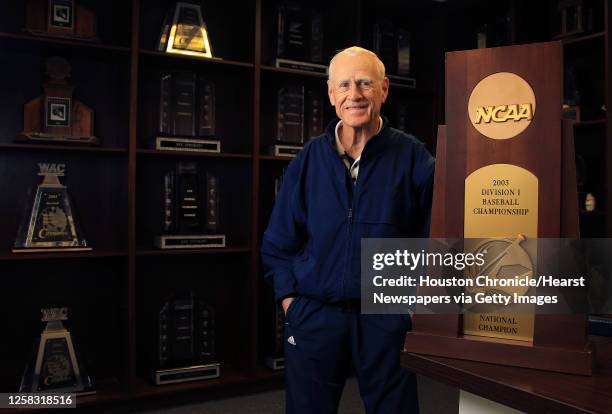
196	241
185	374
503	352
275	364
187	144
297	65
50	249
403	80
81	38
36	137
282	150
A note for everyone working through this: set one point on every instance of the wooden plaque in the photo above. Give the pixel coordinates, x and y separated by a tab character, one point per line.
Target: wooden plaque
504	141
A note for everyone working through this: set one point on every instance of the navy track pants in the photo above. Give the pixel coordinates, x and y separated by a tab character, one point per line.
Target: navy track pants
320	342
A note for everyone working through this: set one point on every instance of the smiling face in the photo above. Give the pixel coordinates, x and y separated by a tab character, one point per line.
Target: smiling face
357	90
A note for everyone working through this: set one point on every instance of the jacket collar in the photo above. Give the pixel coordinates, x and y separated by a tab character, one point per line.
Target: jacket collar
372	145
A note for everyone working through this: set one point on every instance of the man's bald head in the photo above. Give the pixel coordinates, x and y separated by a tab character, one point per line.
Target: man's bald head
354	51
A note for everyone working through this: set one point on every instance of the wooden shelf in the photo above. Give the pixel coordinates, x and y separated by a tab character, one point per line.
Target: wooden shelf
144	388
62	148
110	392
211	61
594	214
294	72
65	41
193	154
173	252
62	255
107	390
585	38
229	377
593	122
274	158
393	85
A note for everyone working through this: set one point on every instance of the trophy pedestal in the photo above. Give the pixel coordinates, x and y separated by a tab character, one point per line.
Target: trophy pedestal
49	249
184	374
275	364
284	150
403	80
193	241
187	144
43	137
80	38
298	65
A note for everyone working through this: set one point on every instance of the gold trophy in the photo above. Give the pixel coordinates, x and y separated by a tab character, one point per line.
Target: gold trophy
184	32
55	366
51	226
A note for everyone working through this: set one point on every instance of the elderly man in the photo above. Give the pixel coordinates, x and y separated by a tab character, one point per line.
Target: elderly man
362	178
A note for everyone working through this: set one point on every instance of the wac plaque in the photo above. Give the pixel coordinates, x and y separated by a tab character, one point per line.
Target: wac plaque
55	366
51	225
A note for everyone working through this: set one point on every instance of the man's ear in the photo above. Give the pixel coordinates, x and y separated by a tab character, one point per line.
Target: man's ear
330	92
385	89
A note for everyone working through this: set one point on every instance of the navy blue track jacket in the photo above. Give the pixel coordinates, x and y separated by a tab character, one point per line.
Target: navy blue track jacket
312	244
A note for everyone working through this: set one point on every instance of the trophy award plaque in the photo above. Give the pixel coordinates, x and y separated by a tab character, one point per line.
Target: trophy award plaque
392	45
185	339
289	121
299	38
65	18
186	114
275	359
191	210
55	366
56	116
516	165
184	32
51	224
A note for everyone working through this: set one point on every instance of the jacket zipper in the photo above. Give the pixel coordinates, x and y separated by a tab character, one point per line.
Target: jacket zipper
347	263
349	240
